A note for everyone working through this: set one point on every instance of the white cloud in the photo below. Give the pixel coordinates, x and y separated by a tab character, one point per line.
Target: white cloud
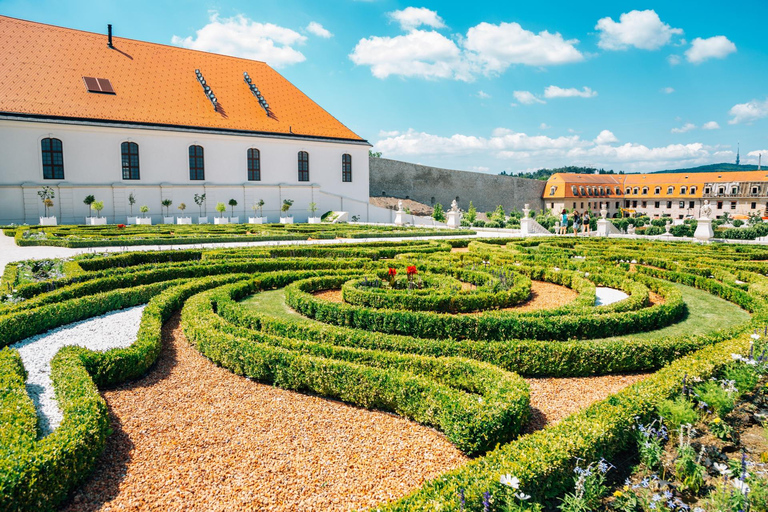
674	60
667	90
241	37
420	53
482	95
412	18
479	168
384	133
554	91
717	47
318	30
748	112
638	153
641	29
711	125
526	97
605	137
544	126
754	156
685	128
496	47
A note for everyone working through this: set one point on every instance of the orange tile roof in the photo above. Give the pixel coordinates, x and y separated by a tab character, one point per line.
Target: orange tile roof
42	69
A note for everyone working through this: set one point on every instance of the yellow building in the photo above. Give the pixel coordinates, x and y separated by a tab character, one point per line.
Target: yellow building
675	195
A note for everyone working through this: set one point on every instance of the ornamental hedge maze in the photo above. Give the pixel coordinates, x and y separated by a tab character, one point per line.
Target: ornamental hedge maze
425	331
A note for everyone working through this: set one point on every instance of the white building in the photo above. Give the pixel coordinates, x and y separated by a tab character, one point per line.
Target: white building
90	115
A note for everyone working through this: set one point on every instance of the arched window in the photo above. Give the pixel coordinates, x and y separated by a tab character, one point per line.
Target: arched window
636	190
254	164
618	191
670	190
303	166
628	190
657	190
196	163
645	190
346	168
574	190
552	190
581	191
130	156
734	190
683	190
53	159
721	190
693	190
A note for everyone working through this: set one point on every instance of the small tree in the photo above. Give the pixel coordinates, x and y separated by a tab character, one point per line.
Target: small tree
89	200
232	204
200	201
182	207
97	206
46	196
287	203
437	213
258	206
725	217
221	208
131	202
374	154
312	208
471	214
144	209
166	204
499	214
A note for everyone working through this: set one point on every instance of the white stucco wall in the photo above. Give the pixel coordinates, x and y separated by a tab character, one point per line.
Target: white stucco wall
92	165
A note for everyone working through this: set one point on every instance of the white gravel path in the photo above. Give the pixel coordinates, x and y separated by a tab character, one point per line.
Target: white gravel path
117	329
605	296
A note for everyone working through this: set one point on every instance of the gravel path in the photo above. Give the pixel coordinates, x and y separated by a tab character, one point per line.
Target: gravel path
605	296
192	436
117	329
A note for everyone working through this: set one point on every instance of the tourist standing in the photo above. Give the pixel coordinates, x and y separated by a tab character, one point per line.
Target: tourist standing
586	219
564	222
576	223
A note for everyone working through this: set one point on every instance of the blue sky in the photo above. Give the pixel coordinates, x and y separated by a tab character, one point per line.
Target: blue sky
497	85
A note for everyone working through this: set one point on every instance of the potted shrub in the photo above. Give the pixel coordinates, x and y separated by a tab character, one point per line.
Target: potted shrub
182	219
97	206
260	219
131	202
285	217
46	196
88	201
200	201
232	218
144	219
313	219
166	203
221	208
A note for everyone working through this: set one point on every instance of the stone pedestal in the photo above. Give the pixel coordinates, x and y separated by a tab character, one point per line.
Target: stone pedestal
48	221
183	220
704	230
399	218
602	227
286	220
454	219
526	226
146	221
314	220
221	220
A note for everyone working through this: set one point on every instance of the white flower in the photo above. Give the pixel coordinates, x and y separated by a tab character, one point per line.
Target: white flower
736	357
755	336
722	469
740	486
522	496
510	481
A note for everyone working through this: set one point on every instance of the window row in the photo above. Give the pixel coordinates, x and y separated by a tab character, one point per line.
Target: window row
53	162
657	190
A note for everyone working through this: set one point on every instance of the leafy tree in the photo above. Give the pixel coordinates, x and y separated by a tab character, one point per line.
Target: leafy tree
200	201
46	196
471	215
374	154
312	208
97	206
131	202
232	204
89	200
221	208
182	207
144	209
287	203
166	204
437	213
498	214
259	206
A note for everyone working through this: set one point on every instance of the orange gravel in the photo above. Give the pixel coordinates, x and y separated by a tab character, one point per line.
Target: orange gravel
460	249
192	436
329	295
545	296
554	399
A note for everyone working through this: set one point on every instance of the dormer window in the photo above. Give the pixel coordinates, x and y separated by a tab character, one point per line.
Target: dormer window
645	190
657	190
683	190
574	190
552	190
670	190
693	190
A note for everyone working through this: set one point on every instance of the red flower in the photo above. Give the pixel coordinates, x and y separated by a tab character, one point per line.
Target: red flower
392	272
121	226
411	270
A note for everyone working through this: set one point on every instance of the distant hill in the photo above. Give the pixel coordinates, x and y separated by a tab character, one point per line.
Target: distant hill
713	168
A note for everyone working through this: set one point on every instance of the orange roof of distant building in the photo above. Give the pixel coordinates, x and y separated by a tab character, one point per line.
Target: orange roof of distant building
42	70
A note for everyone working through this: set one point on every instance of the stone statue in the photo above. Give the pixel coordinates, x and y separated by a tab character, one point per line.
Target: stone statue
706	210
454	206
603	211
399	205
668	227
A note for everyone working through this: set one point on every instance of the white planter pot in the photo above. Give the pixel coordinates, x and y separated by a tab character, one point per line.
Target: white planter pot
234	220
168	220
97	221
147	221
183	220
48	221
202	220
221	220
257	220
286	220
131	221
314	220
